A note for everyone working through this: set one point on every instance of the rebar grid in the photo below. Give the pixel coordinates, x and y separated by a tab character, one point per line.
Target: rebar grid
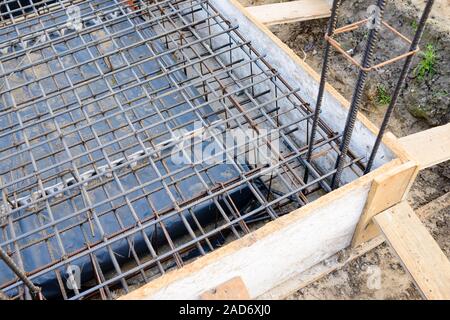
90	117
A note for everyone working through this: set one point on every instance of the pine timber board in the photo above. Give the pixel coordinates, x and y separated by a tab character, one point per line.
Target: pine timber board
387	190
428	147
441	203
418	251
292	11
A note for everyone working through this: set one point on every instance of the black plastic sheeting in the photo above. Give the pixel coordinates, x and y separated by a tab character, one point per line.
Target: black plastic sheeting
205	214
38	256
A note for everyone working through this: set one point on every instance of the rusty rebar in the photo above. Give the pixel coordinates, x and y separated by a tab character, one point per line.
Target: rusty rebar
400	83
357	95
323	80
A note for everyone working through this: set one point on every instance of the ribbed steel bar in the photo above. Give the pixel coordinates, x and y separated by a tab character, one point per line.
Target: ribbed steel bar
35	291
323	80
400	84
357	95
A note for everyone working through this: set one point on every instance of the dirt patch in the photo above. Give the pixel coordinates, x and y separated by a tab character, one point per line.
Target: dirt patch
377	274
425	102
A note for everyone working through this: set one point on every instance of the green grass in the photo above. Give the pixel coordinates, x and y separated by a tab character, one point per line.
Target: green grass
427	65
441	94
383	96
414	25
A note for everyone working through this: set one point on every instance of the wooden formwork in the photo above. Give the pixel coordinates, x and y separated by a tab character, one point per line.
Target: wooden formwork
291	249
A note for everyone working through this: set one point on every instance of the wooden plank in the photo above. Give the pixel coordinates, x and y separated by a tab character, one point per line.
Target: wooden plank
293	11
441	203
417	250
386	191
428	147
233	289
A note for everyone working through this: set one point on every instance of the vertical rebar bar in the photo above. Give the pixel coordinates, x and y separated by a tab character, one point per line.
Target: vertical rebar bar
323	79
35	291
357	95
400	83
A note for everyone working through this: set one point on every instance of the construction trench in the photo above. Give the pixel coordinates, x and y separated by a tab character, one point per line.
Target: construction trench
100	121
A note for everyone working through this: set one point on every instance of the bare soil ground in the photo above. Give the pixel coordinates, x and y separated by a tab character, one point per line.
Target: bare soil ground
425	102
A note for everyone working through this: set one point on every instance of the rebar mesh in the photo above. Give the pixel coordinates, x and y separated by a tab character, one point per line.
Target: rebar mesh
89	121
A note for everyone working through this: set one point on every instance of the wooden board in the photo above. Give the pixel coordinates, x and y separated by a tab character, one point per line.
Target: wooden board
419	253
293	11
439	204
429	147
386	191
